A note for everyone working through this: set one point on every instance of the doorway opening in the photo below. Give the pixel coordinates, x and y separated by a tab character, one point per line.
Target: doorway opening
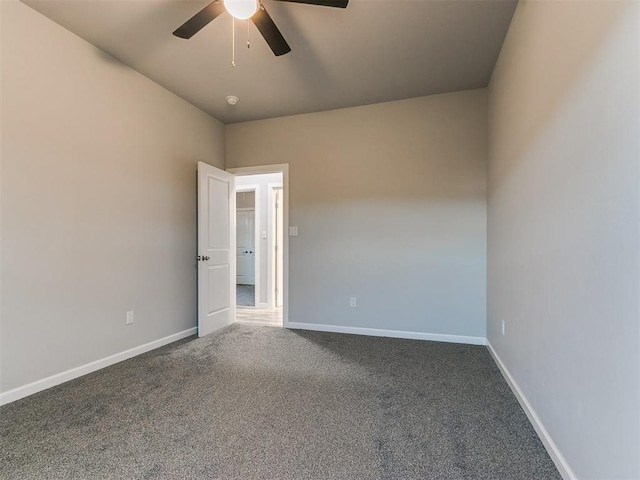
245	247
260	224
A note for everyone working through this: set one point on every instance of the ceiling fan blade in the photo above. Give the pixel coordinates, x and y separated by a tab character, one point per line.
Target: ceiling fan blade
200	20
270	32
323	3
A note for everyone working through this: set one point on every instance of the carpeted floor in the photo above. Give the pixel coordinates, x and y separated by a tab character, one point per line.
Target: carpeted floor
266	403
246	295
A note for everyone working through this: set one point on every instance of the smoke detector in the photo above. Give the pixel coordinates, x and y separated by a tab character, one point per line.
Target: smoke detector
231	99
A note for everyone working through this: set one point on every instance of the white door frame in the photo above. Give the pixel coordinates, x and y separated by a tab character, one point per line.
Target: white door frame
271	258
256	231
284	169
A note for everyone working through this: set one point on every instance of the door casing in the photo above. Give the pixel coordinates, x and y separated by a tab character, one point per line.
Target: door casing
284	169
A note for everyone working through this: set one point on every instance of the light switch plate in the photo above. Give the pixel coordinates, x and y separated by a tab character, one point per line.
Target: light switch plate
293	231
263	235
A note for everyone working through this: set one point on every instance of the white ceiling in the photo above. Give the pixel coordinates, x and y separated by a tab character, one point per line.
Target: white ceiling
373	51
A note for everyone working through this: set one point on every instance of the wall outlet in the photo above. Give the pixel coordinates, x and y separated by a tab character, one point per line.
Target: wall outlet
129	317
503	327
352	302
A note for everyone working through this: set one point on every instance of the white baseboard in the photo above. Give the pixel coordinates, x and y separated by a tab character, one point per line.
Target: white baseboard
375	332
552	449
39	385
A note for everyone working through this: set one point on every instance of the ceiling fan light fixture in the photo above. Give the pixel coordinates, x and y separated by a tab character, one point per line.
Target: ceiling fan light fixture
242	9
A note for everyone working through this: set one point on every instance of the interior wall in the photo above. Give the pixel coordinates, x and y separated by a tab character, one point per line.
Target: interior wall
563	226
98	201
390	202
246	200
263	183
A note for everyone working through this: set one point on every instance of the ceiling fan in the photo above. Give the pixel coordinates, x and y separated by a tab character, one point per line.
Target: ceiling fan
244	9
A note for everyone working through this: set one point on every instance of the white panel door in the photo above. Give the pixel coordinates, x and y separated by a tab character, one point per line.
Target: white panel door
216	249
245	247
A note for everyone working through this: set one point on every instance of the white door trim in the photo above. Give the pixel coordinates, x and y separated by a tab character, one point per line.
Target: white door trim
284	169
271	286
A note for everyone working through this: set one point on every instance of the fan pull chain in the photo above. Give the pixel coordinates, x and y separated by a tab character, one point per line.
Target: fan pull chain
233	41
248	42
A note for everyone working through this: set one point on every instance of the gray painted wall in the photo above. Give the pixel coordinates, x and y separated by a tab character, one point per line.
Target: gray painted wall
563	226
246	200
390	201
98	201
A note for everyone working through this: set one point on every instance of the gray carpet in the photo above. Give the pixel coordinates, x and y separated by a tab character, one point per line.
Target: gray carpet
266	403
246	295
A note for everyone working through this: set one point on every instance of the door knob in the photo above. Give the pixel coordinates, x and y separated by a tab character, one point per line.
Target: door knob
199	258
205	258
